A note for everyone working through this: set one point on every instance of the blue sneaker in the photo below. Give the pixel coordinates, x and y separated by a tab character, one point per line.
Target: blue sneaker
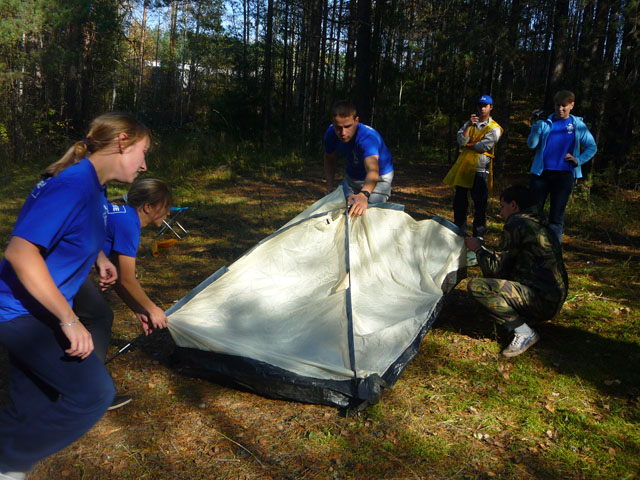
520	344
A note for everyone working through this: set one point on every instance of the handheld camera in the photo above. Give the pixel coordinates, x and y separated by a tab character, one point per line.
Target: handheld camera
538	115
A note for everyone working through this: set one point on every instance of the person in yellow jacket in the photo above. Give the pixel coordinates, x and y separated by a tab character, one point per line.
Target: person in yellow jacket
473	170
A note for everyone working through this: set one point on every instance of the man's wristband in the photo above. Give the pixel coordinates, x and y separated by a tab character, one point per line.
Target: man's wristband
366	194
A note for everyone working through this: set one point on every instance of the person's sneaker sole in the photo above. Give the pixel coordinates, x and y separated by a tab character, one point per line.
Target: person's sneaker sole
515	353
119	401
13	476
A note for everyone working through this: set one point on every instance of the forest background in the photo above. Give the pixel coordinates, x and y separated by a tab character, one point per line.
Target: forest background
238	96
262	74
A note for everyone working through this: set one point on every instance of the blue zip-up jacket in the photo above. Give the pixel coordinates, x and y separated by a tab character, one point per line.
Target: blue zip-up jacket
538	139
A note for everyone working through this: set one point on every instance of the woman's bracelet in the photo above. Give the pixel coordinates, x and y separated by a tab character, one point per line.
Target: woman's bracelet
70	323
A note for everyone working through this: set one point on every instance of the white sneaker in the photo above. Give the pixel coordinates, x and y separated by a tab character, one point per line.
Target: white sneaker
472	259
13	476
119	401
520	344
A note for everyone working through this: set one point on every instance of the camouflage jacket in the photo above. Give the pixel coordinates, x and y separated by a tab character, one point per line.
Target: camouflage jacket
529	254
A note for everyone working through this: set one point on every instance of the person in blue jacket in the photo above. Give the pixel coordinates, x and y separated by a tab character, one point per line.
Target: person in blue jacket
58	389
563	143
369	170
147	203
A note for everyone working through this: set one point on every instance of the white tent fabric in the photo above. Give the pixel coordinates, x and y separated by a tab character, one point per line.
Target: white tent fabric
325	297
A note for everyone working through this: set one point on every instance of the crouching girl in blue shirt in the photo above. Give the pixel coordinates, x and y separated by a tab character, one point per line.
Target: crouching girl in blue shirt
147	203
58	390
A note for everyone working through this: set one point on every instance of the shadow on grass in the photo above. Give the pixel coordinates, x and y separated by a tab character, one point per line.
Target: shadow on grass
246	420
462	315
609	365
597	253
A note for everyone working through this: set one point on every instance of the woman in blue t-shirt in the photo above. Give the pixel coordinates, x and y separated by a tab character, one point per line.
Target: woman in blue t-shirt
563	143
58	390
147	203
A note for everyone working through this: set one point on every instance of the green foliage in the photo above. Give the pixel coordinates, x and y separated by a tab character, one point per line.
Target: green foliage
620	174
603	212
179	154
81	58
436	129
4	136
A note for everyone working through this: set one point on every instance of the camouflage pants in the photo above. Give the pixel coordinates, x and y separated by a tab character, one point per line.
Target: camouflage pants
511	304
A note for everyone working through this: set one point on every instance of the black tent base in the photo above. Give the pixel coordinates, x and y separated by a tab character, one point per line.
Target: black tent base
274	382
264	379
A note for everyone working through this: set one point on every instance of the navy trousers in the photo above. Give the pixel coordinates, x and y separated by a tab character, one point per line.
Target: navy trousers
55	399
96	315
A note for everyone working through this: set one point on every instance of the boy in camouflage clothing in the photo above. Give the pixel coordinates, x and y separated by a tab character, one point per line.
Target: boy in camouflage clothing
525	279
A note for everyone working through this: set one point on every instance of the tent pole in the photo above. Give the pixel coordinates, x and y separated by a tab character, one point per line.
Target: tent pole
126	347
352	353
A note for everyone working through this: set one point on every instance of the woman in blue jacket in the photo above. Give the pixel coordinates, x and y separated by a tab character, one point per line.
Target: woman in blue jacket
58	390
563	143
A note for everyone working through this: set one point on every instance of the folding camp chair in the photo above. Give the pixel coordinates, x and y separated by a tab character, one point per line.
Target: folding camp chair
172	221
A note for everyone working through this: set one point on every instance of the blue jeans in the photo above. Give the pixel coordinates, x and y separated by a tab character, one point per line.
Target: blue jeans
480	196
55	399
558	185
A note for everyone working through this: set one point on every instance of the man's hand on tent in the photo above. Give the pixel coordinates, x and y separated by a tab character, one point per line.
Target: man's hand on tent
358	202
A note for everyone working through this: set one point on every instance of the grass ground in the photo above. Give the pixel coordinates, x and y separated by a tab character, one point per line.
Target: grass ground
568	408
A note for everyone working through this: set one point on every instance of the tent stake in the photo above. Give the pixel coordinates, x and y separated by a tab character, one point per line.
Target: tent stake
126	347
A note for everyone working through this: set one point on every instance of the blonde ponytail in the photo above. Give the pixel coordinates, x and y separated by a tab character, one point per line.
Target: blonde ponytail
103	131
75	153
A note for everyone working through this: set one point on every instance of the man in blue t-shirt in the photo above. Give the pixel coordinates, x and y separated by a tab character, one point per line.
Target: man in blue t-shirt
369	171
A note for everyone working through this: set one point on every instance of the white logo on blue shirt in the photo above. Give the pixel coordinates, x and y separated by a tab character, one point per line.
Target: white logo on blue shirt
570	128
112	208
104	215
38	188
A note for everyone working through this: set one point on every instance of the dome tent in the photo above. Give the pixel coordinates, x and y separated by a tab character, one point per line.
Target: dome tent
326	310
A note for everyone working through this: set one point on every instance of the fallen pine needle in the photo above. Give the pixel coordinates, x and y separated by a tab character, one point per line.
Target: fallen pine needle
242	447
